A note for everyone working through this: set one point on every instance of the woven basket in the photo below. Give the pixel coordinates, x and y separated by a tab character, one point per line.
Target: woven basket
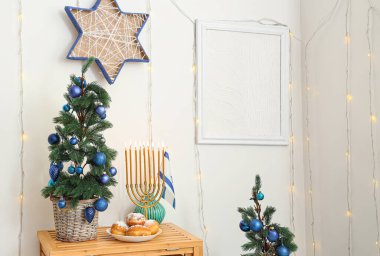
70	223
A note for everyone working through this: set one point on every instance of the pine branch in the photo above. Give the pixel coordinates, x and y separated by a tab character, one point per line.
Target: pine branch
268	213
250	246
87	64
102	95
258	182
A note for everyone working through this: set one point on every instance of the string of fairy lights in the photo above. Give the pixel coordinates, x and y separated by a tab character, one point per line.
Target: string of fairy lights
291	138
198	167
307	95
196	151
21	121
348	100
150	82
372	115
347	39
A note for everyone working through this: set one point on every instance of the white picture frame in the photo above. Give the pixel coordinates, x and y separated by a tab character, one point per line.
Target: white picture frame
242	108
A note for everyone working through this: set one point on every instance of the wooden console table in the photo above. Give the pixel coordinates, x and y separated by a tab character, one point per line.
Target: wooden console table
172	241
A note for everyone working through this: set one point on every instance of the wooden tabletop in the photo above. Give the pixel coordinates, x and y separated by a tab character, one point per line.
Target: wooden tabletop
172	241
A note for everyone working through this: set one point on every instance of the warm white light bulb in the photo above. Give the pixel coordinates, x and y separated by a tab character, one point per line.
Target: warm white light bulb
194	68
347	39
24	137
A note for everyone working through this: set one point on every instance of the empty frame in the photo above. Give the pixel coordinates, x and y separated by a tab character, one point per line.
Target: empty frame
242	83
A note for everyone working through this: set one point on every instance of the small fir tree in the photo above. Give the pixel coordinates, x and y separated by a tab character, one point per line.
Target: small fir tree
265	238
79	141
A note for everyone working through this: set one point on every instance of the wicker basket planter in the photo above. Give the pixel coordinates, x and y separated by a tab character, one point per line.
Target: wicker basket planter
70	223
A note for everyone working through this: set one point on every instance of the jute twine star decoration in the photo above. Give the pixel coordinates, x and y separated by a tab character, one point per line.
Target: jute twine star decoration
109	35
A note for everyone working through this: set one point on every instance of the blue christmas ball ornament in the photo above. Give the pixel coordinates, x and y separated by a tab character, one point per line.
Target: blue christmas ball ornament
99	159
104	116
101	204
282	251
71	169
78	79
104	179
54	172
51	183
54	139
89	214
260	196
75	91
256	225
79	170
244	226
66	108
61	203
73	141
100	110
60	166
272	235
113	171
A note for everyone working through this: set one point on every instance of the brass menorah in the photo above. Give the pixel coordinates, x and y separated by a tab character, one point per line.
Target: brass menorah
144	183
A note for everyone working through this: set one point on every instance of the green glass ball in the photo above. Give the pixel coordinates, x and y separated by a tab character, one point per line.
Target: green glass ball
156	212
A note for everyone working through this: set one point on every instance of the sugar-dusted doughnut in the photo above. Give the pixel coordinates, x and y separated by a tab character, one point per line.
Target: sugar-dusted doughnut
138	230
119	228
153	226
135	219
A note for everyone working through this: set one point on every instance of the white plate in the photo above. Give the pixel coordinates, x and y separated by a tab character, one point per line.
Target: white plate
133	239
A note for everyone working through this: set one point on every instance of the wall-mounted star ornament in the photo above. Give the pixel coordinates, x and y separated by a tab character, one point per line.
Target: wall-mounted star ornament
108	34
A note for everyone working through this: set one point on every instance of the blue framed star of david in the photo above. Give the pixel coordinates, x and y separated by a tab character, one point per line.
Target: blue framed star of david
108	34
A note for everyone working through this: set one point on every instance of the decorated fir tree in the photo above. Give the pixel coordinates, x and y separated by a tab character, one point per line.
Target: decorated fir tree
265	238
79	142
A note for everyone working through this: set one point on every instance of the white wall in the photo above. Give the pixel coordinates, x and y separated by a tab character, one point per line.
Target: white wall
228	170
328	129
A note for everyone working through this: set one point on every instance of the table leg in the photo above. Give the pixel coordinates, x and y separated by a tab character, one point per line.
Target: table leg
198	251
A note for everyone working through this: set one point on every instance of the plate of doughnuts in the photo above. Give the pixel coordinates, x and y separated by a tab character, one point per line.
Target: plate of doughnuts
135	229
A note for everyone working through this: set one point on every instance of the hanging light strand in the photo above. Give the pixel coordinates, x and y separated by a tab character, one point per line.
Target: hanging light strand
196	151
150	80
21	121
196	148
348	99
291	140
324	21
372	119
